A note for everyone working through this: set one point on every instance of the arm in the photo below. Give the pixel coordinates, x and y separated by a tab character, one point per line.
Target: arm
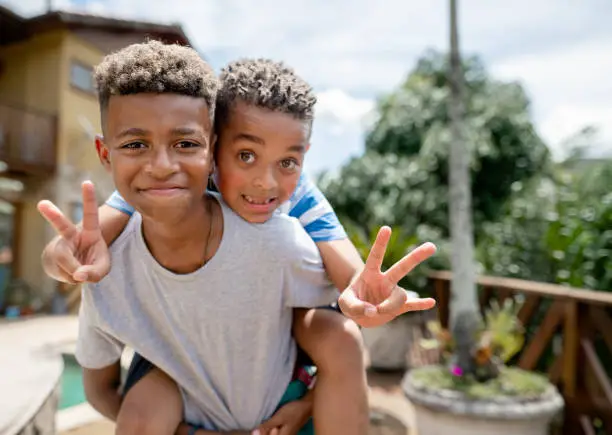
100	356
368	297
102	389
112	222
341	260
340	257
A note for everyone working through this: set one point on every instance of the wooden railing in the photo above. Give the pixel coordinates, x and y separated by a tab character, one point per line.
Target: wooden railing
569	337
27	140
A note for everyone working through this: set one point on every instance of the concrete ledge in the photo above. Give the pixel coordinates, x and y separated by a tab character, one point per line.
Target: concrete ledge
32	369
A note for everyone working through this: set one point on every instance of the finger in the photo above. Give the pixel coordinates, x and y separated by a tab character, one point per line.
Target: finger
401	301
418	304
90	273
273	422
65	260
409	262
56	218
274	431
61	276
377	253
354	307
90	207
394	303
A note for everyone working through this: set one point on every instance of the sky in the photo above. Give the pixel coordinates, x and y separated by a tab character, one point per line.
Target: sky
354	51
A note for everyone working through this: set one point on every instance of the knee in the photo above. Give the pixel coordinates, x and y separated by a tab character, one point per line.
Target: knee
341	346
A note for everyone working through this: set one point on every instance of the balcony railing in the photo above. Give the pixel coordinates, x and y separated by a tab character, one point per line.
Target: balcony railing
27	140
569	337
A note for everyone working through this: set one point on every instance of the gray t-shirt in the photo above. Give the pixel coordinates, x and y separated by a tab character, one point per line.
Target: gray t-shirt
223	332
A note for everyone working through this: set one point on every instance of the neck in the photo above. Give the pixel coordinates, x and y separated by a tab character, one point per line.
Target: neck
180	243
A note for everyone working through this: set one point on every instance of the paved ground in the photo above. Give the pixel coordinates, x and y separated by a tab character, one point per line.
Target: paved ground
391	412
30	367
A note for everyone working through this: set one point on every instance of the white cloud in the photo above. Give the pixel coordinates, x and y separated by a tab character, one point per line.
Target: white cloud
335	104
353	50
570	88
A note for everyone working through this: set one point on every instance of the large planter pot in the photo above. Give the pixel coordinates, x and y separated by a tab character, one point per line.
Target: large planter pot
388	345
446	412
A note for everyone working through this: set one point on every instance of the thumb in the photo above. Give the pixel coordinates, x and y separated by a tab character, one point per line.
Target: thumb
91	273
394	303
352	306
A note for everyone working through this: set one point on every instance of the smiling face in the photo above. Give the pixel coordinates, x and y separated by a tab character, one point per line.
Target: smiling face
159	150
259	159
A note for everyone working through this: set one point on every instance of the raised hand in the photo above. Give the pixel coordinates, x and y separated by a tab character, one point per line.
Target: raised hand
374	298
78	254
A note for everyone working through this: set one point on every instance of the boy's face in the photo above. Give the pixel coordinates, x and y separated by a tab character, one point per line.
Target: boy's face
159	150
259	160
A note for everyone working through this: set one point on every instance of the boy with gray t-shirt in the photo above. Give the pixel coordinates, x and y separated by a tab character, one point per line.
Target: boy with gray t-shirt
222	332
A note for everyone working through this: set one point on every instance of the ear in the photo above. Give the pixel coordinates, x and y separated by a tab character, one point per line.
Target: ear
307	147
213	143
103	153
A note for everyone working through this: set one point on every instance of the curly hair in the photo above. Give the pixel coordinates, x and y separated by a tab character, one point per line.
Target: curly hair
155	67
263	83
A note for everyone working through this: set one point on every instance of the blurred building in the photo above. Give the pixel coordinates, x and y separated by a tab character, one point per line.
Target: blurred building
48	118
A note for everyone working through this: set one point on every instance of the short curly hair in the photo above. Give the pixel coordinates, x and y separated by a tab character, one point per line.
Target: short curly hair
155	67
263	83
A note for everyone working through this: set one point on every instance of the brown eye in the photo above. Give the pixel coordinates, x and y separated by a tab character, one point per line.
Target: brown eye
246	156
187	144
136	145
289	164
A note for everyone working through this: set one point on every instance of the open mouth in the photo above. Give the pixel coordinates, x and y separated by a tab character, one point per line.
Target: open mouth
259	201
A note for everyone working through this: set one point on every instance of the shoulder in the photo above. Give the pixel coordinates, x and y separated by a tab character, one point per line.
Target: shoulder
315	213
288	238
128	235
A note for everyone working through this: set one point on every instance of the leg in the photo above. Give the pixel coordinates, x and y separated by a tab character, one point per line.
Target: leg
335	345
152	406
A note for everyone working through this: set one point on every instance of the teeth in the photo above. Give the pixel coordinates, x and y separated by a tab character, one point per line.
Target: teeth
252	200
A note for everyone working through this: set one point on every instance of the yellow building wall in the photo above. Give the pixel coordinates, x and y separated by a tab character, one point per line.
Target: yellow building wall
37	76
78	109
30	80
31	73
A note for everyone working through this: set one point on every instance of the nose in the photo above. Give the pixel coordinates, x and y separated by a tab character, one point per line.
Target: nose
266	179
161	165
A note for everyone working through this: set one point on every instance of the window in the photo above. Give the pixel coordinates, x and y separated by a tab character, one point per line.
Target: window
81	77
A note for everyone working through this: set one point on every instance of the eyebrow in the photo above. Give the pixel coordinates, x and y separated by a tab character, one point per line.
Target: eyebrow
178	131
134	131
297	148
260	141
249	138
185	131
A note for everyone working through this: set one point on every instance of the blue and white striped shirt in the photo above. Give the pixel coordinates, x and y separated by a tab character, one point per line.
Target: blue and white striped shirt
307	204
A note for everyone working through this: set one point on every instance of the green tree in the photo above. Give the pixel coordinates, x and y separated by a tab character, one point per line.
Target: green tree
555	229
402	179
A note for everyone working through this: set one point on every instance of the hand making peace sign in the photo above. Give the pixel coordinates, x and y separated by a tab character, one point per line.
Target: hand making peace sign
80	254
374	298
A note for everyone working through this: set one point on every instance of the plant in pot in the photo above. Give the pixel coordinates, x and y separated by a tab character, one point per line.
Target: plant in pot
472	390
388	345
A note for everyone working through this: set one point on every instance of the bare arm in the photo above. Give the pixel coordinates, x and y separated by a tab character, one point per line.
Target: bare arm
341	260
102	389
112	222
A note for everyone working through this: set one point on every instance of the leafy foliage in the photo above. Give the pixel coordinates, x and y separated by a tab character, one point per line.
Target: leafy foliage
403	177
